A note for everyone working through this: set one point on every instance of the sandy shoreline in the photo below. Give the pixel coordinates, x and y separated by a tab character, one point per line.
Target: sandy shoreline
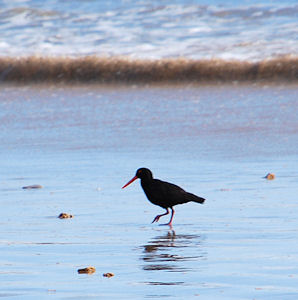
81	144
209	121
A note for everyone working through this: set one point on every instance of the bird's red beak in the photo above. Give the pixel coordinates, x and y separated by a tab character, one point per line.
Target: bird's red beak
130	181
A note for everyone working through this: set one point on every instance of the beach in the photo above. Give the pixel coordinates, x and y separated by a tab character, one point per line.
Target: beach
81	143
202	93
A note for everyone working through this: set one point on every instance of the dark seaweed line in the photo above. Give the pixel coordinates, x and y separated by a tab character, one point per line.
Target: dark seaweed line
93	69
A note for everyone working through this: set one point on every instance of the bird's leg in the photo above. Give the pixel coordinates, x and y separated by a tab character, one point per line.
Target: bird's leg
172	215
158	216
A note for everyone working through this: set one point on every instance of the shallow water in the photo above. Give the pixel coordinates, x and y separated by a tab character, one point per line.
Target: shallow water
83	143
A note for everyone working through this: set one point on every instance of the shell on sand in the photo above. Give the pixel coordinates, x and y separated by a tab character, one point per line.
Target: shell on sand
87	270
33	186
270	176
65	216
109	274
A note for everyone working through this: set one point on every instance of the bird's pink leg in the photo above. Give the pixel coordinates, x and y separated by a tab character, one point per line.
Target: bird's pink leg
156	219
172	216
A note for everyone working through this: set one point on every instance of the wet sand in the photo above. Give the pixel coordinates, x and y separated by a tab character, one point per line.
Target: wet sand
81	144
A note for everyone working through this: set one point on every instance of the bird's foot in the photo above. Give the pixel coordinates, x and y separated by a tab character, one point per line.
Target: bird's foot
167	224
156	219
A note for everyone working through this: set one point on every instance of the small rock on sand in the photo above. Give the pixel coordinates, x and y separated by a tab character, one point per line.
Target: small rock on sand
109	274
65	216
88	270
270	176
33	186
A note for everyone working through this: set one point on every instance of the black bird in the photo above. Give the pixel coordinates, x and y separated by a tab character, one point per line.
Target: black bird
162	193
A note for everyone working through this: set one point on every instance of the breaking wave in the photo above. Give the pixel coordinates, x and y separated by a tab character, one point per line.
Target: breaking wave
93	69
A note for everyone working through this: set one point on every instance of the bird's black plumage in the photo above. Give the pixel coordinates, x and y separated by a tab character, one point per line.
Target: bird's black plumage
163	193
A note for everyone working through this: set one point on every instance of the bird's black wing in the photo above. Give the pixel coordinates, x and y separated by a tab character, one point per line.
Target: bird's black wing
167	194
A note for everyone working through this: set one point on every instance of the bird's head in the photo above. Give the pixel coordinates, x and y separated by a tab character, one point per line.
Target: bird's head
143	174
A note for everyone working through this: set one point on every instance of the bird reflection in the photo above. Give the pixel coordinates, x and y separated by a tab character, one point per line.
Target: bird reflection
169	252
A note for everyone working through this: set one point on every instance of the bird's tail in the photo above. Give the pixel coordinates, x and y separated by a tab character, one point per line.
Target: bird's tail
195	198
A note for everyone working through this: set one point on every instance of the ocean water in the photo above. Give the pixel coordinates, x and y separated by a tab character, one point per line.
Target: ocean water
242	30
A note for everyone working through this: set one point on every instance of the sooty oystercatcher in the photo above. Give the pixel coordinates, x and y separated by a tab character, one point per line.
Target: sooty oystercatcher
162	193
